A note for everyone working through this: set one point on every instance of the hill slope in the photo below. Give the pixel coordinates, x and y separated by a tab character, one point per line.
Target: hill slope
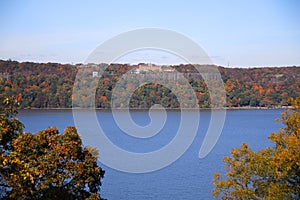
49	85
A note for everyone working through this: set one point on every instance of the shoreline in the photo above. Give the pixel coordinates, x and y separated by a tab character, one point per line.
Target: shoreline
168	109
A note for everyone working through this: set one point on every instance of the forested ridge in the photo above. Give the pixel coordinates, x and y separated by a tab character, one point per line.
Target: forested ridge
50	85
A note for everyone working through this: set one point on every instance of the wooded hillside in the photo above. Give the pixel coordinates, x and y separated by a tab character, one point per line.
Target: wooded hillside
50	85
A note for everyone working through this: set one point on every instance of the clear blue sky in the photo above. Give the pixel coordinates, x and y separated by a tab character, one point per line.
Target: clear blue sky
243	33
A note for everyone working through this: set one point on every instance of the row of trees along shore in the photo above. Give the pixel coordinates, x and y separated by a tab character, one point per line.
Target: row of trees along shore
50	85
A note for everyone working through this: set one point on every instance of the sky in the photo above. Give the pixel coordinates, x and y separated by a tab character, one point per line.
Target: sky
234	33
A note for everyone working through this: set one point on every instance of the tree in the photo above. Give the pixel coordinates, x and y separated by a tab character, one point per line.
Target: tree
271	173
10	127
46	165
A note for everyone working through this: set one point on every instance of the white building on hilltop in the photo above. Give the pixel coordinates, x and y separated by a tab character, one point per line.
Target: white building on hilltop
95	74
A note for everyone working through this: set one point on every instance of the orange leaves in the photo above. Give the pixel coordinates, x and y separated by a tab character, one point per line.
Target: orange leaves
229	85
35	87
19	97
269	90
103	99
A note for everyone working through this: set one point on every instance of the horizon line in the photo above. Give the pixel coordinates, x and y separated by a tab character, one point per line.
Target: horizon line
132	64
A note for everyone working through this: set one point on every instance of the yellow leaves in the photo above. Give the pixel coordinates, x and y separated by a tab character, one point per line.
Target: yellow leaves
5	161
226	159
216	175
26	176
271	173
234	152
33	162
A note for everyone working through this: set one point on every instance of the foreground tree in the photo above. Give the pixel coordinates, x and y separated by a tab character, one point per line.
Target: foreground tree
271	173
46	165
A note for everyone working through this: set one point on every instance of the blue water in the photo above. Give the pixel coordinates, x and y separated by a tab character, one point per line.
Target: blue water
187	178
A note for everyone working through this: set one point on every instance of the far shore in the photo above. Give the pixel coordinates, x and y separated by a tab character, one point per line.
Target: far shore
168	109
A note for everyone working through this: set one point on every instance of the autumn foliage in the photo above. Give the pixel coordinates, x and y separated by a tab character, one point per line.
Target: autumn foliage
49	85
45	165
271	173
